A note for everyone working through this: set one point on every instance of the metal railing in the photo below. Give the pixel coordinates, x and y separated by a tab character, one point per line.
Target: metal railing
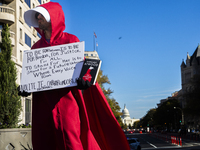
6	9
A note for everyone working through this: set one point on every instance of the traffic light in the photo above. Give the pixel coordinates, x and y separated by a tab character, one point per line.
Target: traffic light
180	121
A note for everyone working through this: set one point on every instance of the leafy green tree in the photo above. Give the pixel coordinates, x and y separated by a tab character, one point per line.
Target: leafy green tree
10	104
136	125
129	126
123	126
166	115
147	120
103	79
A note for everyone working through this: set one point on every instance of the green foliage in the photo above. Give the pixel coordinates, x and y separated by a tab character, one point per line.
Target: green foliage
147	120
166	115
103	79
136	125
129	126
24	126
123	126
4	126
10	104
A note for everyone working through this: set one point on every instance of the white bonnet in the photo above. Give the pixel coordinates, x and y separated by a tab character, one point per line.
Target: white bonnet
30	19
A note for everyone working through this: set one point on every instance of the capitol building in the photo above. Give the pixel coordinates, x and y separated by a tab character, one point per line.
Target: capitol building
126	117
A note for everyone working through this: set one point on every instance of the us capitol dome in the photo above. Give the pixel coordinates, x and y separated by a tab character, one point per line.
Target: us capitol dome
126	119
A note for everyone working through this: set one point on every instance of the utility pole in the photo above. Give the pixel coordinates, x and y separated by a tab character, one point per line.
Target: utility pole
181	113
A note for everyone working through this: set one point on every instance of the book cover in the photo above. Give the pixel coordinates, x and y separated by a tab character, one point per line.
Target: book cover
90	70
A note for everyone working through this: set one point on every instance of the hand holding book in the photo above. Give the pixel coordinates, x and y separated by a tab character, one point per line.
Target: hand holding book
82	84
88	73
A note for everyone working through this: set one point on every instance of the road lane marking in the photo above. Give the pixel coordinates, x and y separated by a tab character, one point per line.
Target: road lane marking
151	144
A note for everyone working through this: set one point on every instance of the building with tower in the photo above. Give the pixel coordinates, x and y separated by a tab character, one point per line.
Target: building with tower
126	117
189	69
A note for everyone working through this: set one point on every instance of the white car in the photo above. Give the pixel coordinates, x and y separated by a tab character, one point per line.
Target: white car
134	143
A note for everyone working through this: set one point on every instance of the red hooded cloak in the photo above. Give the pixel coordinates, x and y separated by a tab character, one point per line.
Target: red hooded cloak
65	119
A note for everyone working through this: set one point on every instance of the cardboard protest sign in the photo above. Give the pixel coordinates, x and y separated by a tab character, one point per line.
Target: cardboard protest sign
52	67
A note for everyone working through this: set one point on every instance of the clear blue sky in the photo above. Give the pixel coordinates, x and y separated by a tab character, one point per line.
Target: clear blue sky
144	65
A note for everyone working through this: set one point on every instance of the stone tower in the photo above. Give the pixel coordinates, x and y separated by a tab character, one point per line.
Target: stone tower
188	69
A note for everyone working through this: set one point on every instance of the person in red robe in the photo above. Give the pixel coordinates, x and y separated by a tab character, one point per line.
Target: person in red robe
66	119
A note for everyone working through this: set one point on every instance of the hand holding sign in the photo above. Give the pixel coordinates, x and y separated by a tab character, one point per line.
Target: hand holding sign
22	93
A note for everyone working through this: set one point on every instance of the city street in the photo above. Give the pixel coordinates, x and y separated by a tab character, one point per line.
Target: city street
159	142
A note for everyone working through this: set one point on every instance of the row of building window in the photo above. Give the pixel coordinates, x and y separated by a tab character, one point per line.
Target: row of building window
28	2
27	40
90	55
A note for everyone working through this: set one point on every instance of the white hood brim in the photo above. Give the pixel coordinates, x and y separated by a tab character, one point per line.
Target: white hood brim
30	19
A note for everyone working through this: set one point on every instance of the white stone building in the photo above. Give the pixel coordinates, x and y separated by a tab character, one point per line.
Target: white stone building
126	117
91	54
22	38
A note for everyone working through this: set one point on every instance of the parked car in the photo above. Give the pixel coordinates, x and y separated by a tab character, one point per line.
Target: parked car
182	131
164	131
134	143
130	132
195	131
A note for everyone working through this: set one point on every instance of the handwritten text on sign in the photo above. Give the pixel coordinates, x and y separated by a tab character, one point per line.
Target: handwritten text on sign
52	67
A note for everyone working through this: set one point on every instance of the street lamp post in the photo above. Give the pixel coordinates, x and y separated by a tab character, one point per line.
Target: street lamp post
181	113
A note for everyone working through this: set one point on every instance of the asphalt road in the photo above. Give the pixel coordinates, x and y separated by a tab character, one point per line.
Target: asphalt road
159	142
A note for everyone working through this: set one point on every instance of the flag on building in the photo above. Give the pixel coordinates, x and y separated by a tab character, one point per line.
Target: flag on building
95	35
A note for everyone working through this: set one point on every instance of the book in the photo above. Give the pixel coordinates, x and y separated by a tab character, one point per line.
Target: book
90	70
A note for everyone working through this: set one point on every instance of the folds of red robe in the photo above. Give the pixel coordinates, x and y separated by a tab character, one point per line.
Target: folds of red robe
103	123
63	120
60	122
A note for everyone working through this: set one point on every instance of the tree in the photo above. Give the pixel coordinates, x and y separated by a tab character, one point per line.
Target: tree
129	126
10	104
147	120
136	125
102	79
166	115
123	126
